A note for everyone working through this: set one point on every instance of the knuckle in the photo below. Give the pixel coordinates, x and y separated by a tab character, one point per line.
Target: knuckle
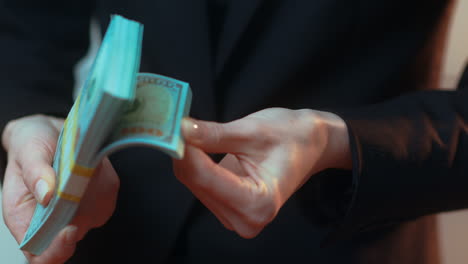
37	145
30	176
269	135
214	132
39	117
45	145
262	217
10	125
249	233
260	214
7	132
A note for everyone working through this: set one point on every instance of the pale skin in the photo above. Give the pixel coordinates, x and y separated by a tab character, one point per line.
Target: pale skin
270	154
30	143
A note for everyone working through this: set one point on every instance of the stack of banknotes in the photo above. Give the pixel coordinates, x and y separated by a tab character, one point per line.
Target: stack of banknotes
116	108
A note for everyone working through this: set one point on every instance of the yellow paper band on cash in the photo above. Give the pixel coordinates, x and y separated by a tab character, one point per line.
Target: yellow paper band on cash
69	197
79	175
75	187
82	171
69	138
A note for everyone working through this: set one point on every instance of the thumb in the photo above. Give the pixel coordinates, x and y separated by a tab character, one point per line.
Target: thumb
38	174
216	137
31	143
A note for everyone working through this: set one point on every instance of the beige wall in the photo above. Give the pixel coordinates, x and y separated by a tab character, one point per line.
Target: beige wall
453	227
457	47
9	252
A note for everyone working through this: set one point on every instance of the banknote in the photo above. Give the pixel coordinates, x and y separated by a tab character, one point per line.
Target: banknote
116	108
108	87
154	118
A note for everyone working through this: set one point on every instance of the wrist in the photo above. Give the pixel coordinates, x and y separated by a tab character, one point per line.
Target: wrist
337	154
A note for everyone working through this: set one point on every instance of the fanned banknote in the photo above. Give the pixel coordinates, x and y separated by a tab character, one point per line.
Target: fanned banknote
117	107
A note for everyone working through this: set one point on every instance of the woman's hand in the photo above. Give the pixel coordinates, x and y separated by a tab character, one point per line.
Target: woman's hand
270	155
29	179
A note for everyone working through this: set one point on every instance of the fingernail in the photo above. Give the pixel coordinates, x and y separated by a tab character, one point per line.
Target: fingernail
71	233
41	189
189	128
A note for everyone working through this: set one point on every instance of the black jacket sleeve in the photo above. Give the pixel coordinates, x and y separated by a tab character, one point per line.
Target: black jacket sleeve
40	42
410	158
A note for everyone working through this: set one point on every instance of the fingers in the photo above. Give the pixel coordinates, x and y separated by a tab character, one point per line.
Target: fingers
31	143
29	176
26	167
216	137
99	202
95	209
240	203
38	176
18	203
198	172
35	162
61	249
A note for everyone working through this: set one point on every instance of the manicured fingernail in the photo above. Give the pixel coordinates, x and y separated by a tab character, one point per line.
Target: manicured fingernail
189	128
41	189
71	235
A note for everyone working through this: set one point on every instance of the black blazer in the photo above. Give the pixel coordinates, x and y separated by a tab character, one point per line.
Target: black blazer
350	57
